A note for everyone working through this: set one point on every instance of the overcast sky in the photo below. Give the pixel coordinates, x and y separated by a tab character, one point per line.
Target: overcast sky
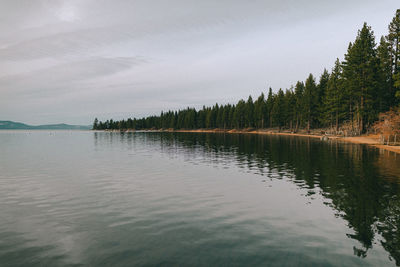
71	61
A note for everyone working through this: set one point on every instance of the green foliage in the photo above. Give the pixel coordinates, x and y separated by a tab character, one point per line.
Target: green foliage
394	40
260	111
386	87
95	124
278	111
299	92
239	115
249	113
309	100
397	80
365	83
361	79
397	86
320	96
334	99
394	46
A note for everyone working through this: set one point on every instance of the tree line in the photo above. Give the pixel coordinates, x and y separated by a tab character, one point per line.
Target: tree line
356	90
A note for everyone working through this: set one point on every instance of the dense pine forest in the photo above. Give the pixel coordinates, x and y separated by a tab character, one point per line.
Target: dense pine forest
352	95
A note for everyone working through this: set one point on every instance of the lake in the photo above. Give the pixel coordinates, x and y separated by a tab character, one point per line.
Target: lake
82	198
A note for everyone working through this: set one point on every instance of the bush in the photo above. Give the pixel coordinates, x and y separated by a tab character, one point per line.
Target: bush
388	126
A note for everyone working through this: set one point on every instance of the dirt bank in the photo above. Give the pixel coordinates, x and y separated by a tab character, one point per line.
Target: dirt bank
372	140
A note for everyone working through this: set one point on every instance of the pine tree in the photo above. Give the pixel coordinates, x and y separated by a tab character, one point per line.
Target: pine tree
309	96
239	114
360	71
320	96
269	106
249	112
232	117
364	84
201	118
278	110
260	111
95	124
290	108
394	41
225	116
219	120
298	92
334	97
386	87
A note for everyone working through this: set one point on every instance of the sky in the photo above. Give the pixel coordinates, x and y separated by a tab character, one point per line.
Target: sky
69	61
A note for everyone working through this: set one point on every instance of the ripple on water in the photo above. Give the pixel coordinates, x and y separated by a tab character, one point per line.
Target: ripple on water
192	199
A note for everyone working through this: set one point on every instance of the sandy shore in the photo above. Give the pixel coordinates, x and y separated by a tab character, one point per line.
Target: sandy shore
372	140
234	131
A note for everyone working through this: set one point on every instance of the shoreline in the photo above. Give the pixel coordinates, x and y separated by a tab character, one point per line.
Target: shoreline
370	140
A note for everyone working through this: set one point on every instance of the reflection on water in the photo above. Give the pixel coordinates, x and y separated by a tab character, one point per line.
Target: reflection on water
127	199
363	185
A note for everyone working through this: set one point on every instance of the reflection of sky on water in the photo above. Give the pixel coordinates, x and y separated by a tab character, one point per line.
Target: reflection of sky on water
102	198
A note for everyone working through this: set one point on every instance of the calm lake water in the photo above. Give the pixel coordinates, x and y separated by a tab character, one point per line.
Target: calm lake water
71	198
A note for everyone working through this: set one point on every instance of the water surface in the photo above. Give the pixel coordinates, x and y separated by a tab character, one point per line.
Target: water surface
71	198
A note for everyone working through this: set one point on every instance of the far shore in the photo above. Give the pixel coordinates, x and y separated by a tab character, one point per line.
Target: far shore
371	140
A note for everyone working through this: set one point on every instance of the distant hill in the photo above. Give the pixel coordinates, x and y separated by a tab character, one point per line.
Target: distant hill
11	125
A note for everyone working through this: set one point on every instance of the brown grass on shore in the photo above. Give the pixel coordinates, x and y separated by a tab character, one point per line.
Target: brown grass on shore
243	131
372	140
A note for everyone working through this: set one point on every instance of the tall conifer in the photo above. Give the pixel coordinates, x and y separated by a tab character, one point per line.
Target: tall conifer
360	71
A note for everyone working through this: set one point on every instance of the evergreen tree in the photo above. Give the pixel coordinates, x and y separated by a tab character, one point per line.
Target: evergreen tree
386	87
299	106
232	117
239	114
249	112
394	42
260	110
356	90
309	96
269	106
290	108
320	96
360	71
201	118
95	124
278	116
334	97
225	117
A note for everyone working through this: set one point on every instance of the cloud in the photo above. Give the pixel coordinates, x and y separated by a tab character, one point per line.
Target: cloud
78	43
72	60
65	77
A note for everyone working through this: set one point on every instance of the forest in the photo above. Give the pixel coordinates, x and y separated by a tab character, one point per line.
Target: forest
352	96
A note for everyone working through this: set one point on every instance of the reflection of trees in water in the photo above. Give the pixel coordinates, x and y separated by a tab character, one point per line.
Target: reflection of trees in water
361	183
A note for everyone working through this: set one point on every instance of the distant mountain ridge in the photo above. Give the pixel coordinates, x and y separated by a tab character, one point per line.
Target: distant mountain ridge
12	125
